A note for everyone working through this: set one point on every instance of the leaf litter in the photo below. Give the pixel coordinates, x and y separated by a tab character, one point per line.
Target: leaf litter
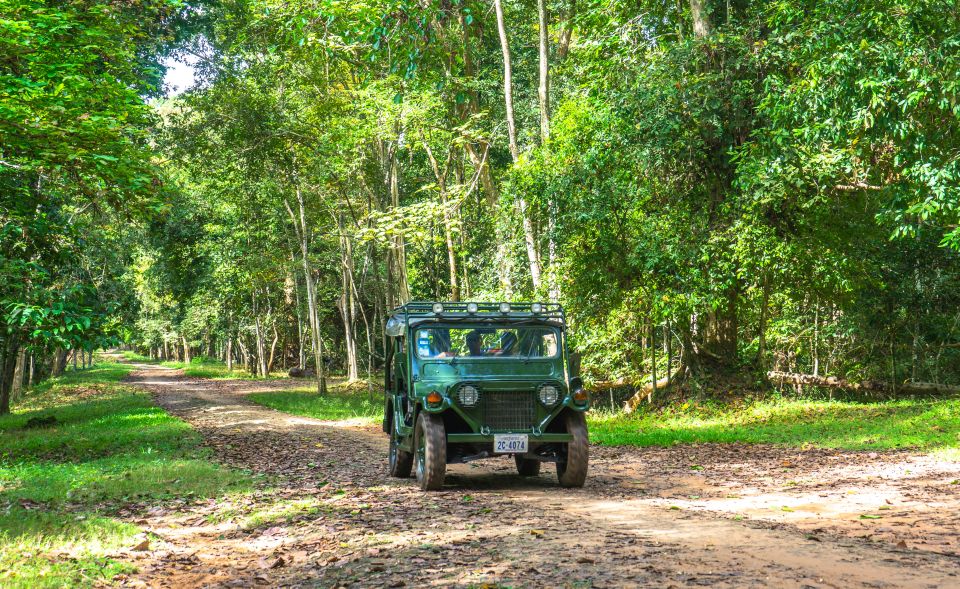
324	513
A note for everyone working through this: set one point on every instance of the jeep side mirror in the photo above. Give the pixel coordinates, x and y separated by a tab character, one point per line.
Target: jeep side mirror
576	383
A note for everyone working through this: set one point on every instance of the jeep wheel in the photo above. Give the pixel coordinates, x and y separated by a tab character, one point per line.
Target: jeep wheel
430	459
572	464
527	467
401	461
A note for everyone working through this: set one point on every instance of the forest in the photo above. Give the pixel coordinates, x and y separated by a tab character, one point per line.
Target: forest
749	211
767	192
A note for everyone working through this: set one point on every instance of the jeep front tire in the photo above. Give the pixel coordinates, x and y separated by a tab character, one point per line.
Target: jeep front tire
430	456
572	464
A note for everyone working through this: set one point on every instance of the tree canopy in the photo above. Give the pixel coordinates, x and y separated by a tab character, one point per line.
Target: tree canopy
709	188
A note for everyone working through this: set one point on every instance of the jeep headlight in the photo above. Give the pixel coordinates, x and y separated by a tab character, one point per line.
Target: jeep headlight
549	395
468	395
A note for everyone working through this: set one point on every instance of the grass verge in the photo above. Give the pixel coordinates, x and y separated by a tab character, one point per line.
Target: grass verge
63	484
918	424
928	425
343	401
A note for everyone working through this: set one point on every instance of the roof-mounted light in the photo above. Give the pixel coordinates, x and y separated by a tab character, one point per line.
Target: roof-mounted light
536	308
472	308
504	307
438	308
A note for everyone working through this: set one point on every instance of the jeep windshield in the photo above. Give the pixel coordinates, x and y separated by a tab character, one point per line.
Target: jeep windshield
527	342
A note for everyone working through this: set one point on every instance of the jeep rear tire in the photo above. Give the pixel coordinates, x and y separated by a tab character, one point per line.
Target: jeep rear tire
527	467
430	456
572	464
401	461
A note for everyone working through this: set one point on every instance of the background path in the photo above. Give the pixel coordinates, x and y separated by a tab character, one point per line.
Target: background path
730	516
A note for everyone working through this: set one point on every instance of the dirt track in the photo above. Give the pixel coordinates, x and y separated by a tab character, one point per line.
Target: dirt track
729	516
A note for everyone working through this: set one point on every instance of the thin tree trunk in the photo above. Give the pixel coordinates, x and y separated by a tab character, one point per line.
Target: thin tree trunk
668	345
762	328
258	334
653	362
229	354
816	339
441	176
273	350
186	351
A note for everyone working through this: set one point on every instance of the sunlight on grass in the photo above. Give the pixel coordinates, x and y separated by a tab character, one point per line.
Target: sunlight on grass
108	446
201	367
135	357
342	402
921	424
45	549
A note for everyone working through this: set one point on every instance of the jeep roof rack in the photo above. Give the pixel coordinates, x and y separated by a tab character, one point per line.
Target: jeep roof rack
416	312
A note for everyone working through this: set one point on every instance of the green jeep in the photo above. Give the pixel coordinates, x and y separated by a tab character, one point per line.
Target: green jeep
466	381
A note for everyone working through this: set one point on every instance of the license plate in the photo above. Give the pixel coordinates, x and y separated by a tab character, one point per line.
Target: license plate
510	443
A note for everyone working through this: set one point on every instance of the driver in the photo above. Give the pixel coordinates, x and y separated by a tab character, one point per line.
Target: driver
473	343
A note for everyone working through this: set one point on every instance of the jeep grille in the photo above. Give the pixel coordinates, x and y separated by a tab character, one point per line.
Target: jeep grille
508	410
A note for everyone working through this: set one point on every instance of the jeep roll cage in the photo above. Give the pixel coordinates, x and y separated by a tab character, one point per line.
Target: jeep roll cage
418	312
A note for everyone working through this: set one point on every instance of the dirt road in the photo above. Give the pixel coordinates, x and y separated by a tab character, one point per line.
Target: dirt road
327	515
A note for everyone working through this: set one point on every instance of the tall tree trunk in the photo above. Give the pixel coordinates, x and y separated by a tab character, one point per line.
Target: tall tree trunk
507	80
186	351
544	87
8	365
544	93
59	362
347	304
700	12
229	353
16	387
301	224
533	257
567	32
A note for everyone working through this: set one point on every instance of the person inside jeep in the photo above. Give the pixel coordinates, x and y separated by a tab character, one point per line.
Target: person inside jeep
473	343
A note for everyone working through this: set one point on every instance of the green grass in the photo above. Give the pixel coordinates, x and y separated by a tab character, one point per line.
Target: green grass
920	424
61	487
135	357
342	402
215	369
929	425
